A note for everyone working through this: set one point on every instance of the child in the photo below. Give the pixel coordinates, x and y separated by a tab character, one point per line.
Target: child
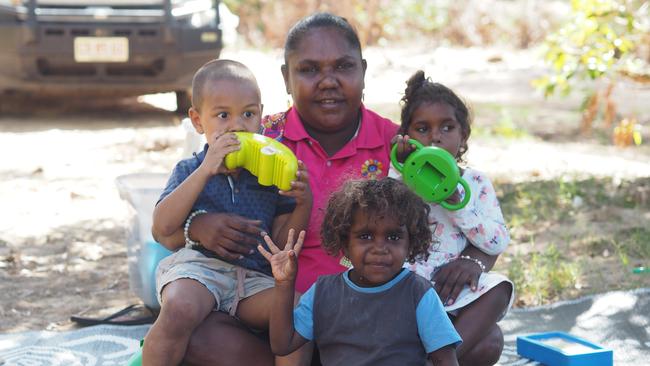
433	115
195	280
377	312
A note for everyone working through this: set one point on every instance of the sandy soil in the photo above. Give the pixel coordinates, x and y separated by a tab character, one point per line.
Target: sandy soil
63	225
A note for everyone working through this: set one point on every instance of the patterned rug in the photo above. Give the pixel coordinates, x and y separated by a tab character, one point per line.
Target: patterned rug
616	320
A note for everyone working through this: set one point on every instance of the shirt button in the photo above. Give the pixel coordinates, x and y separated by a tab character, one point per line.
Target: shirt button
236	190
329	163
309	142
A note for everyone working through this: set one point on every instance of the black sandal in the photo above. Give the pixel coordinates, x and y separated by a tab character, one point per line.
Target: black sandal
112	319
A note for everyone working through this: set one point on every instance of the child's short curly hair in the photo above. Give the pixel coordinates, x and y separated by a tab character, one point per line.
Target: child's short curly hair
383	197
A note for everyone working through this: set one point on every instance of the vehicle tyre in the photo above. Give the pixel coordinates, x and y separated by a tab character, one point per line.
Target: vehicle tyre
183	102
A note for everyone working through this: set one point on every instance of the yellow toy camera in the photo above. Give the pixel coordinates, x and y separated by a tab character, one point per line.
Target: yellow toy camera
267	159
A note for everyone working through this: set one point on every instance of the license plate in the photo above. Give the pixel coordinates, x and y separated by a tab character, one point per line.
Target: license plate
101	49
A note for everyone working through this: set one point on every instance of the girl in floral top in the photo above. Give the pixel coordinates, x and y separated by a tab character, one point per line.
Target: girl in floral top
474	298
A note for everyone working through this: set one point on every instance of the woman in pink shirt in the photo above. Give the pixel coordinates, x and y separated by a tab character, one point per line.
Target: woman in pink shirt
337	138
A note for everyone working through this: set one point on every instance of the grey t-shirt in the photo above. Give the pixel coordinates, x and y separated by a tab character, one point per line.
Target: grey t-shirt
398	323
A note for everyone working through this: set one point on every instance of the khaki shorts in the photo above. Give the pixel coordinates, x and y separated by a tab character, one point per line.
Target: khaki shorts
228	283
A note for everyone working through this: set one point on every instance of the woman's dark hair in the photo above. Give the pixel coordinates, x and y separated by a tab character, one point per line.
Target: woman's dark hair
421	90
319	20
383	197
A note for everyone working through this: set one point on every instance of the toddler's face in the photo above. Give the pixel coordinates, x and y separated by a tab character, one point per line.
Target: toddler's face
377	248
229	105
436	125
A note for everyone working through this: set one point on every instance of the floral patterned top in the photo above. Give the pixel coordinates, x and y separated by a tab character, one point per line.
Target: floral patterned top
479	223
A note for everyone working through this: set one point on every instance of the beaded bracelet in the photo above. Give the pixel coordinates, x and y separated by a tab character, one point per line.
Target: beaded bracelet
186	229
475	260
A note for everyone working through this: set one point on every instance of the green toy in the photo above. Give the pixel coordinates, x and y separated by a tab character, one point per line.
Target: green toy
267	159
432	173
136	359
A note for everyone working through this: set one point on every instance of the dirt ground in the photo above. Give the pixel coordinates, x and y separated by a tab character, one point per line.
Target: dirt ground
63	225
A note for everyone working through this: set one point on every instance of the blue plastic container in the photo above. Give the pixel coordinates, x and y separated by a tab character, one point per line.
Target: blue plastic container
142	191
563	349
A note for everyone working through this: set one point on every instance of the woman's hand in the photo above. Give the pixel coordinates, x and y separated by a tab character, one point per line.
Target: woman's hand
230	236
455	197
300	189
284	263
404	149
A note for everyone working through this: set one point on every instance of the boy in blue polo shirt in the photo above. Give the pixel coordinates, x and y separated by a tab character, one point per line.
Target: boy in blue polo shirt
195	280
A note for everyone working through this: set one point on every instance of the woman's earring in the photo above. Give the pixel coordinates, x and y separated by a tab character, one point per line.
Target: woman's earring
363	96
289	101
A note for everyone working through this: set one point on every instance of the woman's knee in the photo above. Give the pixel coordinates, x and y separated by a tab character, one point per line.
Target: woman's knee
236	344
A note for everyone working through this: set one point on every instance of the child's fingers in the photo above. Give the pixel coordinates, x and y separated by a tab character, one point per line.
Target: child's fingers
301	238
274	249
302	174
393	140
473	284
264	253
289	245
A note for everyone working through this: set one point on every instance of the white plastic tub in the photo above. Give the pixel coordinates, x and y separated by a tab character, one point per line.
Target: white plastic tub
142	191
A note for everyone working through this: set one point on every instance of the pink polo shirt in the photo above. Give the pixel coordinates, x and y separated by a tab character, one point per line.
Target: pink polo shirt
366	155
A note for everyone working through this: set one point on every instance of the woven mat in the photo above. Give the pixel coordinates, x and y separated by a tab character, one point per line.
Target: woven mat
617	320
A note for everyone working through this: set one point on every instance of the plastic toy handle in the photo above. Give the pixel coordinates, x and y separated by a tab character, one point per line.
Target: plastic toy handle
393	154
461	204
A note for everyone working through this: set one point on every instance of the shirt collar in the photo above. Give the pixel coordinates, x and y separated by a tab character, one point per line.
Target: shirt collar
386	286
367	136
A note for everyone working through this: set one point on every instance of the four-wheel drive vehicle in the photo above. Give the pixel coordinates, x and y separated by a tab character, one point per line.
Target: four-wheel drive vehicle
106	47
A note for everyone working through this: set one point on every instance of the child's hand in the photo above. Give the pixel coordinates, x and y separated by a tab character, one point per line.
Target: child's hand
284	263
300	189
219	147
453	276
404	149
454	198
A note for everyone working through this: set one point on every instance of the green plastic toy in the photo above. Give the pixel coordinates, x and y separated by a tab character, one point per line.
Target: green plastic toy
136	359
432	173
267	159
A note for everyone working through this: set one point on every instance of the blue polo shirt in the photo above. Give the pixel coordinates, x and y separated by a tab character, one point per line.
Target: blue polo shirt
246	197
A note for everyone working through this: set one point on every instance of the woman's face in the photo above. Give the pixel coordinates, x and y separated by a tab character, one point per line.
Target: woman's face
324	76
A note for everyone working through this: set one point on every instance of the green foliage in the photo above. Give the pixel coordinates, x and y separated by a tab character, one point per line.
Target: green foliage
579	216
540	277
630	245
529	203
424	16
597	41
